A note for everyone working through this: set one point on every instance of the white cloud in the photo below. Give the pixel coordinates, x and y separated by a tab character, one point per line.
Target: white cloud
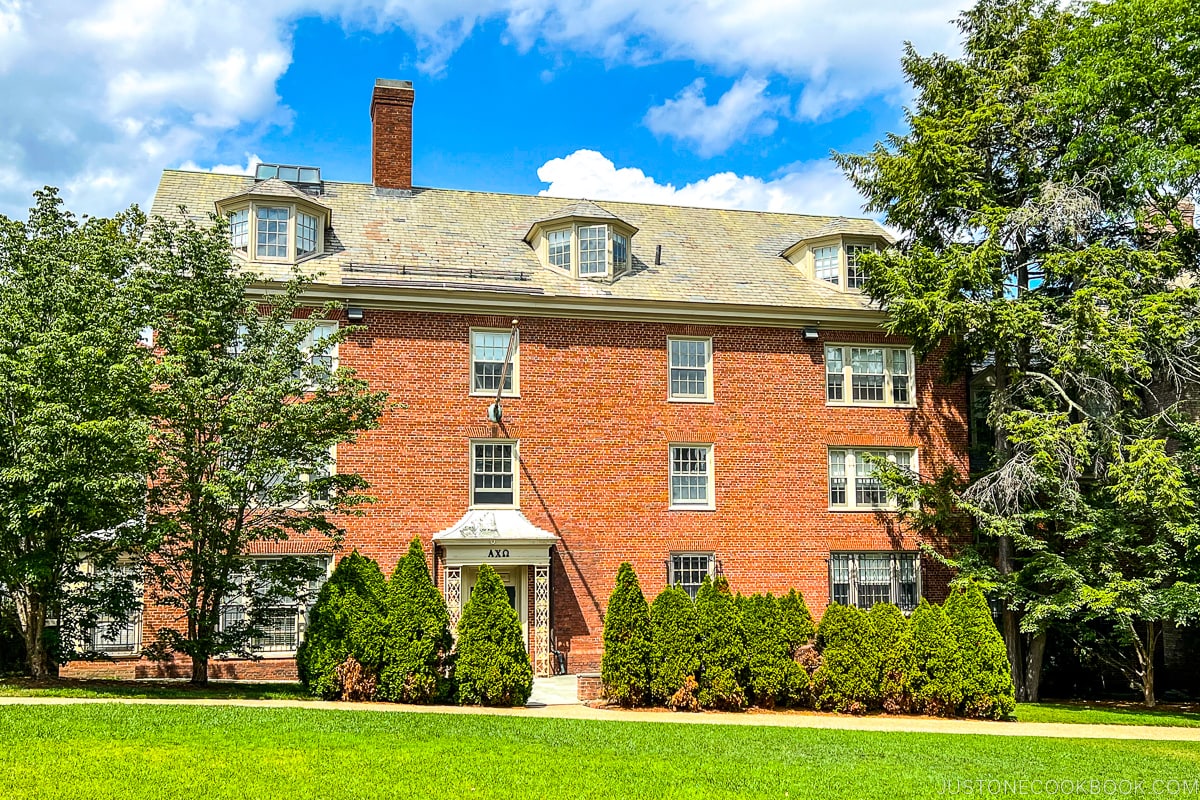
812	187
745	109
252	161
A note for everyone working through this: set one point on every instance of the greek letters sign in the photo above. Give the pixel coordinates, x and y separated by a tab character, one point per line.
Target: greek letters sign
497	554
470	553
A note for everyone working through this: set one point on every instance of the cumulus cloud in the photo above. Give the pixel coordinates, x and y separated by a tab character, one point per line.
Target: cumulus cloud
745	109
252	162
811	187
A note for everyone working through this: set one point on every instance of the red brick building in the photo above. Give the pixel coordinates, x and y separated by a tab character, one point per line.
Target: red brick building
689	390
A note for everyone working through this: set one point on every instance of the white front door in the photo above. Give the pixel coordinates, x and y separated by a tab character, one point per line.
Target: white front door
515	583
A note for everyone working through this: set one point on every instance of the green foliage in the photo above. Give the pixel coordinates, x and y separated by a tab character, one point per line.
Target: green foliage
892	643
722	647
674	643
987	682
796	621
773	678
348	619
848	678
625	667
492	666
419	641
938	677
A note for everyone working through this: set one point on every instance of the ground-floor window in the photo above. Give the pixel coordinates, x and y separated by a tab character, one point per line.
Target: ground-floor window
864	579
111	636
278	623
688	570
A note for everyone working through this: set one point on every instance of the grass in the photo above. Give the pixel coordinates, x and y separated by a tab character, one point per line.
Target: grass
166	690
1109	714
116	750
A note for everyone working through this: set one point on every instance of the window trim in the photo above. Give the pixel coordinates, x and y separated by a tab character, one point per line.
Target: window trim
671	574
850	505
710	503
894	589
606	259
888	376
708	370
516	462
514	370
250	254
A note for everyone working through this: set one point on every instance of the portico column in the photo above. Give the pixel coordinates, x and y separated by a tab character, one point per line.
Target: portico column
541	620
454	596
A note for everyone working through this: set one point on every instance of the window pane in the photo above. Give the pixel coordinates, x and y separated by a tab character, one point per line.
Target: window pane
689	475
620	252
318	352
592	246
900	376
837	477
689	571
492	469
855	276
868	491
835	378
239	229
306	234
559	243
310	175
488	350
689	367
839	568
825	264
866	374
272	232
264	171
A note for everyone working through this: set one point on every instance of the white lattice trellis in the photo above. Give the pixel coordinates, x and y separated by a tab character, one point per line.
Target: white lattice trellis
454	595
541	620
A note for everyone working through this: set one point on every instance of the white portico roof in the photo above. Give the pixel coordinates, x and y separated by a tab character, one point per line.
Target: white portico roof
494	526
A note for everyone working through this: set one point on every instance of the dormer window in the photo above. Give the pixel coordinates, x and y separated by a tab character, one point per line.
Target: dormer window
239	229
834	254
558	244
592	246
306	234
855	275
620	253
272	232
284	224
827	264
584	241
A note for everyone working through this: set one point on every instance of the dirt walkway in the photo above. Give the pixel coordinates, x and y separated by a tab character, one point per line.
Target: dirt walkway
780	720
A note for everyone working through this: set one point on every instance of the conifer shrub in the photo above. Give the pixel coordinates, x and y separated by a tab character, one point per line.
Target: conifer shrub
348	620
722	647
625	666
893	653
937	676
848	678
355	684
796	621
491	666
987	679
418	642
773	677
674	649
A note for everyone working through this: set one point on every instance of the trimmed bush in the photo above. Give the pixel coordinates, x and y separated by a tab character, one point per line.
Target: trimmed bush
937	677
893	654
848	678
987	679
625	667
492	667
674	647
722	647
773	678
418	635
796	621
348	620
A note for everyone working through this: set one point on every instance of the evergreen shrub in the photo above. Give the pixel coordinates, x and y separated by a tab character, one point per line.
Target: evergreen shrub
722	647
892	643
417	649
773	677
848	678
674	648
987	678
491	666
625	666
937	676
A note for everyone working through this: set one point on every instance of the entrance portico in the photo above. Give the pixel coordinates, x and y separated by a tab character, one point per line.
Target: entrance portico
520	552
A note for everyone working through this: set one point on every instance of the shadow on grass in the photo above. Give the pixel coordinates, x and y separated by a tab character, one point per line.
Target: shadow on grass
1185	715
166	690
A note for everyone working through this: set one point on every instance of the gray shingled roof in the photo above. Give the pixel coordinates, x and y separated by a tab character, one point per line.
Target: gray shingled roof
708	255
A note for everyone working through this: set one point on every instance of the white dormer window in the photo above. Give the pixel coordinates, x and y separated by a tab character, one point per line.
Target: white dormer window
827	264
306	234
592	246
855	275
272	232
559	245
271	227
583	241
239	229
620	252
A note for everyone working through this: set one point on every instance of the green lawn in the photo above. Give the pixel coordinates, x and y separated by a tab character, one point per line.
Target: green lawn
121	751
170	690
1108	714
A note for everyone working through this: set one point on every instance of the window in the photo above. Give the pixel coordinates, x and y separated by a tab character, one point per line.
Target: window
239	229
493	473
620	255
320	353
876	375
109	636
855	276
865	579
488	351
272	232
593	247
827	264
278	629
688	570
868	492
306	234
691	476
690	369
559	243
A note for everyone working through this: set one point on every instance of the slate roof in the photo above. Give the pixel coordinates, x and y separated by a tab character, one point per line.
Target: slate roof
466	238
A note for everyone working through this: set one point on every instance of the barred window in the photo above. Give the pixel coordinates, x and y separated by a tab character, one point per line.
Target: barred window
688	571
306	234
691	476
855	276
593	246
877	375
239	229
272	232
488	351
493	473
690	368
115	637
278	629
869	492
827	264
559	244
866	579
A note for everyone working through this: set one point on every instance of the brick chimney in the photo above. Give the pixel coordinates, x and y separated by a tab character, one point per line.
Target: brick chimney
391	134
1187	213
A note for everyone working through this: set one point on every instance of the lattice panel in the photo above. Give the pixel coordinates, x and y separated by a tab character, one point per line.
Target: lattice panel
454	595
541	620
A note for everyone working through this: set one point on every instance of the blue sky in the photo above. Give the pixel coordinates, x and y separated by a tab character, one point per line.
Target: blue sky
732	103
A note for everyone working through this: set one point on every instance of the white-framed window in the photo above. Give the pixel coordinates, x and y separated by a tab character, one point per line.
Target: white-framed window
593	249
318	351
123	638
691	474
620	252
488	351
271	230
306	234
865	579
688	571
558	245
855	276
494	473
827	264
282	626
262	495
852	480
869	375
239	229
689	375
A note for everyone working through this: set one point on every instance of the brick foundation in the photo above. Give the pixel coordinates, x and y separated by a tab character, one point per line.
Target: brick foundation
589	686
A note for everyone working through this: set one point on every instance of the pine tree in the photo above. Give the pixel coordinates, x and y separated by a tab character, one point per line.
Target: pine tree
348	620
937	678
491	665
722	647
892	642
625	667
418	634
987	682
848	678
674	643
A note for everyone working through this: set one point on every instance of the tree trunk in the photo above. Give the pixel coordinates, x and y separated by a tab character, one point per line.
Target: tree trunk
1033	668
1146	654
200	670
31	616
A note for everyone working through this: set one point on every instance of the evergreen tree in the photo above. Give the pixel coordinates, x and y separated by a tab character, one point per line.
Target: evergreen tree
492	665
892	642
773	676
625	666
796	621
848	678
674	643
418	634
938	663
987	682
722	647
348	620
